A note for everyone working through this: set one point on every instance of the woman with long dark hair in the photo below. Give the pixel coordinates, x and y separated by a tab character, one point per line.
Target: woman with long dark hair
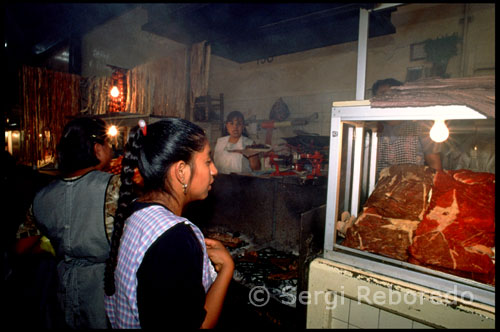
160	271
76	213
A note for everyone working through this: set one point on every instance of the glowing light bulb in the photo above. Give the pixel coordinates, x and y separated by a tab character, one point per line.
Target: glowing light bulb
113	131
115	92
439	132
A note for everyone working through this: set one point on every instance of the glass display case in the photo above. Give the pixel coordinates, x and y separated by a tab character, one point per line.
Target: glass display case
352	179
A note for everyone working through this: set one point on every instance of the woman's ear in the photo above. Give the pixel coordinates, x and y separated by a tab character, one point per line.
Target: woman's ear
180	170
98	150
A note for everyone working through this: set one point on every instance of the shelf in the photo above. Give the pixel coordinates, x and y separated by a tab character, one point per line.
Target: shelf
209	109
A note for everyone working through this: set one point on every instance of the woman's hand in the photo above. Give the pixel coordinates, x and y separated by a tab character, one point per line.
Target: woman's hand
219	255
224	265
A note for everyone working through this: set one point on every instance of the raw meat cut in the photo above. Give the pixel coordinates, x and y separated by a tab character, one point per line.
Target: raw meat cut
384	236
458	230
392	212
402	192
486	278
444	221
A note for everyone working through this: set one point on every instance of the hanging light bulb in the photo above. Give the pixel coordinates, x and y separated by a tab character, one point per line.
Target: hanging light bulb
439	132
115	92
112	131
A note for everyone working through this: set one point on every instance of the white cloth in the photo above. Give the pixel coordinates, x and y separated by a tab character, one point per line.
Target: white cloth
231	162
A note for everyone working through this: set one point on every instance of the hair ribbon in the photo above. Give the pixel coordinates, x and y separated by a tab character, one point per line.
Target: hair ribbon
142	125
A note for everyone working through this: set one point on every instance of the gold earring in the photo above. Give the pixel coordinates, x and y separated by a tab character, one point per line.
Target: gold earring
184	188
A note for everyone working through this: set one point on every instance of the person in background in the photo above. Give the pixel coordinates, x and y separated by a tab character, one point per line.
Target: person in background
381	87
236	138
75	212
404	142
160	270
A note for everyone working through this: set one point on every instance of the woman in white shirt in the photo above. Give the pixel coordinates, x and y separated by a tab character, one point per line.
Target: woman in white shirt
235	138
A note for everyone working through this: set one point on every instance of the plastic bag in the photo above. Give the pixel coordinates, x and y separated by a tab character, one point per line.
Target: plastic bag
279	111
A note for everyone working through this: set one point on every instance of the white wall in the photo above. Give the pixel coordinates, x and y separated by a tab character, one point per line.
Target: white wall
307	81
121	42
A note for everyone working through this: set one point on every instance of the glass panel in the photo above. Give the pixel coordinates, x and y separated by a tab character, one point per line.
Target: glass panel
409	196
345	181
367	145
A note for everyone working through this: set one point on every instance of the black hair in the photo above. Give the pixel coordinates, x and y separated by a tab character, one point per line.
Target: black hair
166	142
384	82
230	117
75	149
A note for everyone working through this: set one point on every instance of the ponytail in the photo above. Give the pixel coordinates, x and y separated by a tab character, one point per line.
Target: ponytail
129	163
